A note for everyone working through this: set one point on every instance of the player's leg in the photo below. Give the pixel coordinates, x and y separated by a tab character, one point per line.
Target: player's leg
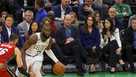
29	61
31	73
36	69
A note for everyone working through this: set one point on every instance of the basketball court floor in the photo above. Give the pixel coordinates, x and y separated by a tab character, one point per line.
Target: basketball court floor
99	74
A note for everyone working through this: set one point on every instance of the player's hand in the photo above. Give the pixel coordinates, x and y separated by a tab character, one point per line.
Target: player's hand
118	51
68	40
94	48
60	63
71	39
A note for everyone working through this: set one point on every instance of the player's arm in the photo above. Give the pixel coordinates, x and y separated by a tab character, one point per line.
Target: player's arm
32	40
49	43
18	57
50	53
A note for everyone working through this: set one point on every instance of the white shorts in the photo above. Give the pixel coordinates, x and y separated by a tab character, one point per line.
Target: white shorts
35	62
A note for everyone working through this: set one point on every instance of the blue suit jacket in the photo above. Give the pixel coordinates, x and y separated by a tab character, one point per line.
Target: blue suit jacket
40	15
5	33
61	37
89	40
57	10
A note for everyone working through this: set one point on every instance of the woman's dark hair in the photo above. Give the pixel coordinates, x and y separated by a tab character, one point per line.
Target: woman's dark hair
30	29
111	28
86	25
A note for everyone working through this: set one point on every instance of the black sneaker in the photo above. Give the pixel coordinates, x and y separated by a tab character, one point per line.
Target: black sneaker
81	72
125	67
133	70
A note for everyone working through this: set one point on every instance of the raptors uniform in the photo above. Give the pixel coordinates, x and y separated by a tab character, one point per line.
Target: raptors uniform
34	54
6	52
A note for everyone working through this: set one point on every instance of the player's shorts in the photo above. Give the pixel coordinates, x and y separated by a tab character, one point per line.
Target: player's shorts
34	61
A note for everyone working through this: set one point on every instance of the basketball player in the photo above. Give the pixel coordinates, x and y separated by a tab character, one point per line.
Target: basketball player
7	51
34	48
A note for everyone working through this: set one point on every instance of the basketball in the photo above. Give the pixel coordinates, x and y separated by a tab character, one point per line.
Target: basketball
58	69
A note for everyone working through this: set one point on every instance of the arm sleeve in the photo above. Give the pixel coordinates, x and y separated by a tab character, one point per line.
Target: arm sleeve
117	37
51	55
129	10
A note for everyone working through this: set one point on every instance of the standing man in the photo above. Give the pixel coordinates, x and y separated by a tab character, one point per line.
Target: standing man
7	50
33	51
24	26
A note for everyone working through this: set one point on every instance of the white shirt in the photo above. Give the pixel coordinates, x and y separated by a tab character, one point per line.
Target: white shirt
115	36
28	25
81	1
9	31
62	12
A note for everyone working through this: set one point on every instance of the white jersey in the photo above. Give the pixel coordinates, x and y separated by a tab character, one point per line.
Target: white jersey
38	48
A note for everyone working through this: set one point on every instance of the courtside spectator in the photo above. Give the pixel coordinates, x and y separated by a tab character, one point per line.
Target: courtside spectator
90	39
62	9
24	26
8	28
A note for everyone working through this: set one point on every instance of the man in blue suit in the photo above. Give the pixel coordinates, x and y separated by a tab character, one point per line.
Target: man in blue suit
62	9
68	40
8	28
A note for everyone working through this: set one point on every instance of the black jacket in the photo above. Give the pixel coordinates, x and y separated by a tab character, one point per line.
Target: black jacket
127	37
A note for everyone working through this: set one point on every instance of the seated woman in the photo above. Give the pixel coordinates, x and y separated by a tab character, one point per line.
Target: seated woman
90	39
111	44
34	27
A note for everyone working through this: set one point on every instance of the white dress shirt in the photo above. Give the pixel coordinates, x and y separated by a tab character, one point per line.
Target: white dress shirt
115	36
9	31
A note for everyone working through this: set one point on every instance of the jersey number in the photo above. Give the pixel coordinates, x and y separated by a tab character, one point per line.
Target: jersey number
3	51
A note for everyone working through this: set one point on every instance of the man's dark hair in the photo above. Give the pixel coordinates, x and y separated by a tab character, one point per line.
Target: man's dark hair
1	24
13	37
40	3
